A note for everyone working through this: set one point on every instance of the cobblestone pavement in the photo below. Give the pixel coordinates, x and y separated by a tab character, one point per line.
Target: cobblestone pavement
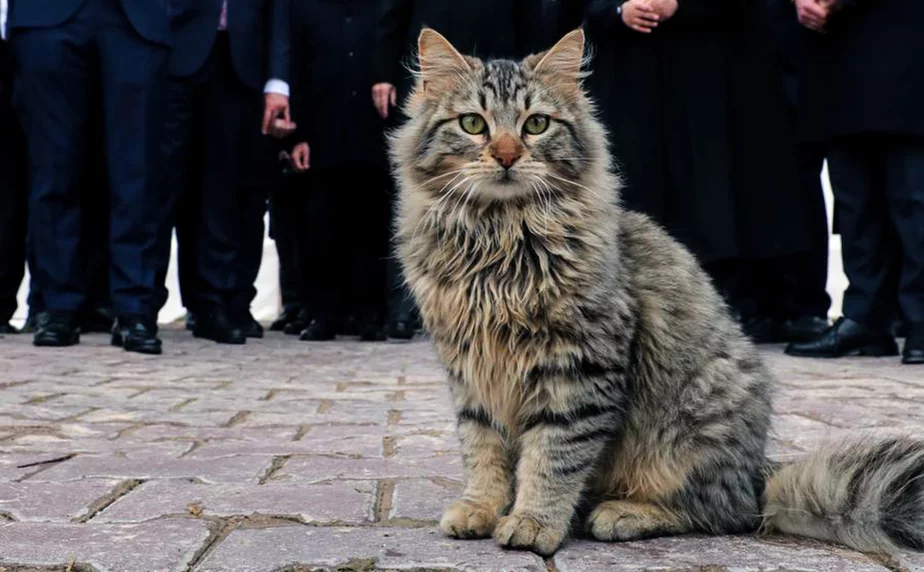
282	455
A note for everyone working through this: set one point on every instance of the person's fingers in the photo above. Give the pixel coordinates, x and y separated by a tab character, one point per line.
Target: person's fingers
267	119
394	97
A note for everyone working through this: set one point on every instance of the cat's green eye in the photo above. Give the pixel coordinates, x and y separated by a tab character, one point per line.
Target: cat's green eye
536	124
473	124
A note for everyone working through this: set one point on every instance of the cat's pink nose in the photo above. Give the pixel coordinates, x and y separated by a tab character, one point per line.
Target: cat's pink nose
506	151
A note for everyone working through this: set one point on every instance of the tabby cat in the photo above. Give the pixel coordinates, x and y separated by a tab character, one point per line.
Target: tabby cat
599	380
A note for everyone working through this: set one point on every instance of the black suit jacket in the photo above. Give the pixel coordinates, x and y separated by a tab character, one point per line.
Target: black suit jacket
481	28
866	74
544	22
148	17
259	32
333	54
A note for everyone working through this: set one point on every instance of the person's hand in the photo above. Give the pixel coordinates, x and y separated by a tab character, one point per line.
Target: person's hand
384	96
813	14
280	129
640	16
664	8
301	157
275	106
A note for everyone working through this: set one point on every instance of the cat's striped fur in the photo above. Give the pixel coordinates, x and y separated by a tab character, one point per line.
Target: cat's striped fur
599	379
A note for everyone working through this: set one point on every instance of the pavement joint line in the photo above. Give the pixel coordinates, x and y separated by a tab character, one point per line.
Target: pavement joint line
324	406
302	431
384	500
101	504
179	406
236	419
394	416
277	464
43	398
389	446
218	531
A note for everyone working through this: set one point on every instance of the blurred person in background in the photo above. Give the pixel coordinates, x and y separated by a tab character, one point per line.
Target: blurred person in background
343	231
862	91
692	98
13	187
73	55
228	84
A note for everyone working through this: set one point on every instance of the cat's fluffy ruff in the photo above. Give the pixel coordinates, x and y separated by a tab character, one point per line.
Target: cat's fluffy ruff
596	373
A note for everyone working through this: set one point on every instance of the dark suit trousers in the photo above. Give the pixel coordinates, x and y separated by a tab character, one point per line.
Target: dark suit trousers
217	165
13	193
285	207
878	183
60	69
805	275
343	242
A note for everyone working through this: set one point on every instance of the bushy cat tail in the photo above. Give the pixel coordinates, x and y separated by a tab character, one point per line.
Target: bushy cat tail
867	495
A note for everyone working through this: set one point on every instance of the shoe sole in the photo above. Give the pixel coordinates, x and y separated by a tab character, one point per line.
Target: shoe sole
56	344
869	351
220	341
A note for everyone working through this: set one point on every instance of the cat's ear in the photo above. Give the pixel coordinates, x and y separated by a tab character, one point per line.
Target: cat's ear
440	63
563	60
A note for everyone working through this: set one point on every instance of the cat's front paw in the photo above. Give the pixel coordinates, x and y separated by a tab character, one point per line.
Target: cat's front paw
526	531
466	519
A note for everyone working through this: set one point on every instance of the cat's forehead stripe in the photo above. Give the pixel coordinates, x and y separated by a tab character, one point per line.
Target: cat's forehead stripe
504	80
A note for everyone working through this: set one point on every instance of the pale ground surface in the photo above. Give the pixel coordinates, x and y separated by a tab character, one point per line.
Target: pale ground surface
283	455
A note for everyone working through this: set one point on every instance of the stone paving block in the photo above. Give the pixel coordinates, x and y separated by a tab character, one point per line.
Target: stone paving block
224	470
266	550
426	445
53	444
316	468
423	499
160	546
342	502
912	562
157	433
357	446
210	419
52	502
15	466
689	554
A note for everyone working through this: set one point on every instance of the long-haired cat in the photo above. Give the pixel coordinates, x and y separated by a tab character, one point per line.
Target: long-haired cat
599	380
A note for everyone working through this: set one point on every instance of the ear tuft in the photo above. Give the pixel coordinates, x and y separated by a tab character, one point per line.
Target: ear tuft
564	59
440	62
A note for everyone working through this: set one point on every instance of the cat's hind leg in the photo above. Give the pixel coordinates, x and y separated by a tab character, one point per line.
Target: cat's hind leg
621	520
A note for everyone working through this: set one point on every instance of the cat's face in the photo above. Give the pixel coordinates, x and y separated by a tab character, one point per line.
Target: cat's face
500	130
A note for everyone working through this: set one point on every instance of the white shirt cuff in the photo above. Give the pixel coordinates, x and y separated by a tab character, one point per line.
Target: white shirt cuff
277	86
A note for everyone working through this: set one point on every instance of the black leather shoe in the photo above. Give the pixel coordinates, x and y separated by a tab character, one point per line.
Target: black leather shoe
299	323
134	334
806	328
217	326
913	353
191	321
7	329
56	330
370	330
400	330
318	331
31	325
846	337
254	329
96	321
287	316
764	330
